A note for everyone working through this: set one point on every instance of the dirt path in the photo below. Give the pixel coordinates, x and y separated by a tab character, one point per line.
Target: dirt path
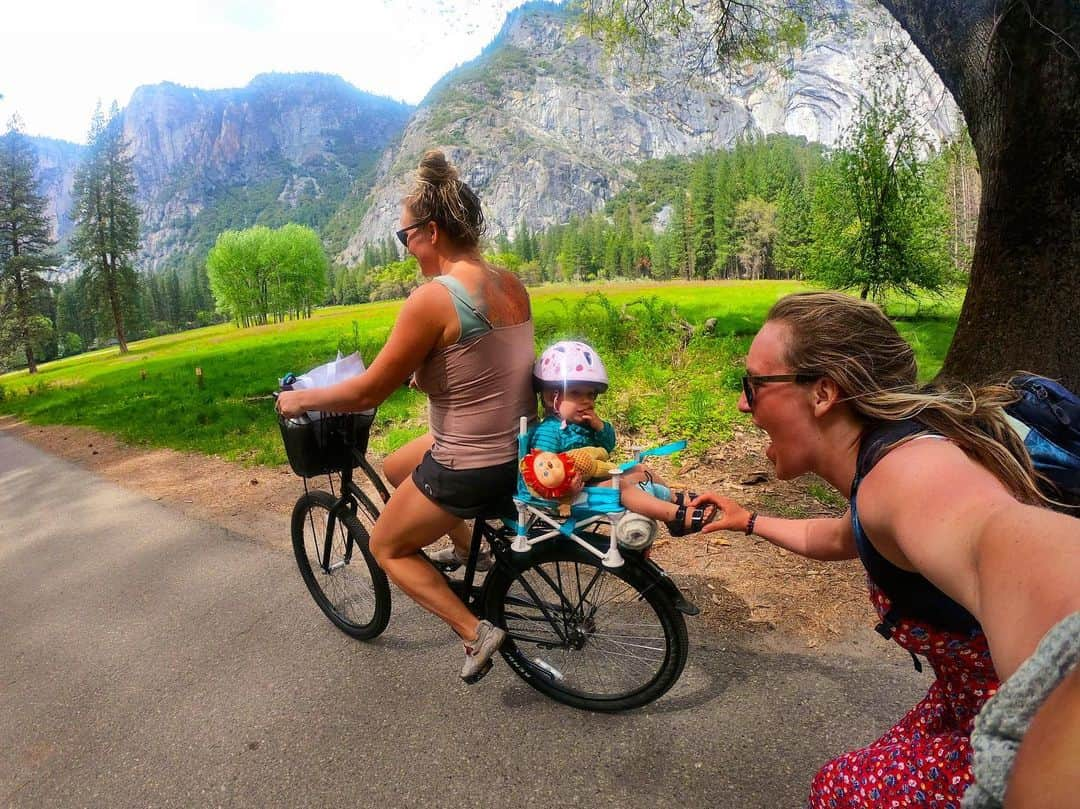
739	583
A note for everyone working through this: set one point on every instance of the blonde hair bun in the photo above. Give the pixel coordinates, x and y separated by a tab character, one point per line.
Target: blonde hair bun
436	169
440	196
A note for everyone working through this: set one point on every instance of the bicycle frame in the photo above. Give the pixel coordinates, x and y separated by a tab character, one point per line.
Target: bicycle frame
352	496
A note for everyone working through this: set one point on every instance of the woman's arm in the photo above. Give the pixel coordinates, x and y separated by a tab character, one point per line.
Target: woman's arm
1015	567
418	329
826	539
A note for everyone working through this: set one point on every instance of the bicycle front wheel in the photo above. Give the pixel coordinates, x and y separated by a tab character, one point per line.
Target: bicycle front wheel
597	638
340	573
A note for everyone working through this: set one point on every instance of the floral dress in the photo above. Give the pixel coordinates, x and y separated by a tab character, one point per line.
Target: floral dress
924	760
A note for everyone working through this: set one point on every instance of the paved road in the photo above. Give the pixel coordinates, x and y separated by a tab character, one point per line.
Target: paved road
148	659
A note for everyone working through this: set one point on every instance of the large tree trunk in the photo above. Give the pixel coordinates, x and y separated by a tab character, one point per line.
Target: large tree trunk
1014	69
28	347
22	315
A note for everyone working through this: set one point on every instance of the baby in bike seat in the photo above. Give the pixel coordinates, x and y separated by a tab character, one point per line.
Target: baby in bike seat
570	377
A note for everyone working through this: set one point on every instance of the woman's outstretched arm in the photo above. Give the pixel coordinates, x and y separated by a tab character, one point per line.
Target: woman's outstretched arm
825	539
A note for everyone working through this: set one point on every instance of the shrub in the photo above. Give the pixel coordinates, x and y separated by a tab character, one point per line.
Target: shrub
70	345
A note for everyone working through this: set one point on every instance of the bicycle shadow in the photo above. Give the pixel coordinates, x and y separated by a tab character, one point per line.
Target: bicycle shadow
727	658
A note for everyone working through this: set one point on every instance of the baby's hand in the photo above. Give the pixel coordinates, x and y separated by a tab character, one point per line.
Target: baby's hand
586	415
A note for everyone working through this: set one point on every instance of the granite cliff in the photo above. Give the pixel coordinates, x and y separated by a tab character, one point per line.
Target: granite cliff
288	147
57	160
544	124
284	148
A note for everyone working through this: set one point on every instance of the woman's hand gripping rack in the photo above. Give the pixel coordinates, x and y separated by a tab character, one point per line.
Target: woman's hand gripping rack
539	519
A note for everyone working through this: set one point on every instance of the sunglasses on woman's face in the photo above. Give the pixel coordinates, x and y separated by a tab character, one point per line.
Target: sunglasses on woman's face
403	234
749	381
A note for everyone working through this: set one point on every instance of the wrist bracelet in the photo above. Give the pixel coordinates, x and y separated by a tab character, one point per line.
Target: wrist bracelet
750	523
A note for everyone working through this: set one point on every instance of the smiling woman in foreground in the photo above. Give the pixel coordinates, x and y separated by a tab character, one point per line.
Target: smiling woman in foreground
965	564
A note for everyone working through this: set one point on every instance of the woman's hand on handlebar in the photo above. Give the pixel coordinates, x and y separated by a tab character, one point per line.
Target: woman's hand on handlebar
288	403
730	517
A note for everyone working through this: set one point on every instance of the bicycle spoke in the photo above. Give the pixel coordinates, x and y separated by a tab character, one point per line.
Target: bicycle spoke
551	621
587	629
340	572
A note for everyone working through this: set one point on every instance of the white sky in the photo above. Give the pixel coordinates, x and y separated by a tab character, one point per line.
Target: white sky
59	57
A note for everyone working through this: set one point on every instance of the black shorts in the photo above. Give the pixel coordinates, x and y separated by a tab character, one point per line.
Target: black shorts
466	493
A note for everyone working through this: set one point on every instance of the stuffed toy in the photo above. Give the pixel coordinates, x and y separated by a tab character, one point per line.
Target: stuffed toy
548	474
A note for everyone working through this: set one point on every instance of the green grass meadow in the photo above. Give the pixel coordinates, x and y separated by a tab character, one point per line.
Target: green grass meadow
664	387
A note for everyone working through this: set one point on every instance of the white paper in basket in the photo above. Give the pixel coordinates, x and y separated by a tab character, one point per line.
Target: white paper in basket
328	374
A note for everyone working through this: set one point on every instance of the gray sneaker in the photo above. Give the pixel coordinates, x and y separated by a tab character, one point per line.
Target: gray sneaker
448	557
478	653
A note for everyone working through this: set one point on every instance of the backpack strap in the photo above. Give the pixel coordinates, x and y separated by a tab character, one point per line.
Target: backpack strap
1046	416
911	594
887	626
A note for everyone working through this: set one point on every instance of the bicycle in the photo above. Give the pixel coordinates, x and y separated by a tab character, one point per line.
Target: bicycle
586	634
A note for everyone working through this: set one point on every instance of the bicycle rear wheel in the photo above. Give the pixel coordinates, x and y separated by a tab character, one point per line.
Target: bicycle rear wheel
340	573
597	638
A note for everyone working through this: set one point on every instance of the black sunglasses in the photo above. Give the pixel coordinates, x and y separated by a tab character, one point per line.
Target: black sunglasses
749	381
403	234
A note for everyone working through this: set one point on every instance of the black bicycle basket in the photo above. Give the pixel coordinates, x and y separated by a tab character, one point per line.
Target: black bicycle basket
330	444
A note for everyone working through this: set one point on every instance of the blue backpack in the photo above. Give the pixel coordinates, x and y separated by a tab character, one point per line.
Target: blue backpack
1047	418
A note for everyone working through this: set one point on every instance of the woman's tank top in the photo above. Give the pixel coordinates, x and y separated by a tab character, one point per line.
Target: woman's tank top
478	388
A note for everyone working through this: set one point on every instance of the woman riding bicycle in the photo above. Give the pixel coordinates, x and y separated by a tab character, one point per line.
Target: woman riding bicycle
468	338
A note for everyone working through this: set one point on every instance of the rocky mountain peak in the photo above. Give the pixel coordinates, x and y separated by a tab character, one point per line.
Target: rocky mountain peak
545	124
284	144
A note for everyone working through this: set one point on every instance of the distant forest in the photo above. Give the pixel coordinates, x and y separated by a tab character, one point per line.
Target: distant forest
744	213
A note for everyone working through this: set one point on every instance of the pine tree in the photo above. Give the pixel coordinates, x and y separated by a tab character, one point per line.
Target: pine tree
25	244
680	248
106	235
878	223
702	235
523	243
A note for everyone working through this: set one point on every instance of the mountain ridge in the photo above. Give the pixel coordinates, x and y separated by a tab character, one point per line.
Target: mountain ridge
544	124
285	147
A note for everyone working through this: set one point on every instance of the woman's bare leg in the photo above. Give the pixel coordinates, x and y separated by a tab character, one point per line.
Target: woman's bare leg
409	522
399	465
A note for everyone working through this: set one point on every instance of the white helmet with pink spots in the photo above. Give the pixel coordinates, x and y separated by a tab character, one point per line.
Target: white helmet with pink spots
568	362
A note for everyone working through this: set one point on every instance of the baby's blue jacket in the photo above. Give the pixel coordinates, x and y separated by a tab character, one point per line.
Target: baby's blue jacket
550	436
